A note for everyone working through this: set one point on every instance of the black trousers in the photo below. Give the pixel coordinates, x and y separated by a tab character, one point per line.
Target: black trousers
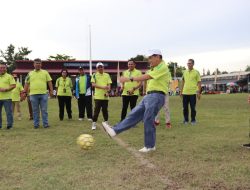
189	99
126	100
101	104
85	102
62	101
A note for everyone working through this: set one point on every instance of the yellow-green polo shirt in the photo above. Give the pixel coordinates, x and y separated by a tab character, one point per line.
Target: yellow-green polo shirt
160	78
82	84
38	81
66	84
191	79
5	81
130	85
15	93
101	80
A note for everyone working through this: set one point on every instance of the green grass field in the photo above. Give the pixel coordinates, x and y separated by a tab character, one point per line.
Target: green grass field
206	156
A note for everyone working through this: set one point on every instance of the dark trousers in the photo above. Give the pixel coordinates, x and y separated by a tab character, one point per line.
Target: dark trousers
126	100
189	99
98	105
85	102
62	101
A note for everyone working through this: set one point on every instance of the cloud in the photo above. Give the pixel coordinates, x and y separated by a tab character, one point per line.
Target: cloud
225	60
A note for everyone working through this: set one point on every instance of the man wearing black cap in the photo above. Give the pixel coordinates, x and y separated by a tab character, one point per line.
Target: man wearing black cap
83	92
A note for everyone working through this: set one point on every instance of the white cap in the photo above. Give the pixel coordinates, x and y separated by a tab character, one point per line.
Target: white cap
153	52
99	64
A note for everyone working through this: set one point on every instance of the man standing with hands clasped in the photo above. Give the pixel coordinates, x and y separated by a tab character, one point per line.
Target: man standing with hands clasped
130	89
101	81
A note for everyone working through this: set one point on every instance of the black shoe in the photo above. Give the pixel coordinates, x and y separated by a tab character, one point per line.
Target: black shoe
31	118
36	127
9	127
61	119
47	126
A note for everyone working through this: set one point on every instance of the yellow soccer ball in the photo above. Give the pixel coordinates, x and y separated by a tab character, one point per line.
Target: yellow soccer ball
85	141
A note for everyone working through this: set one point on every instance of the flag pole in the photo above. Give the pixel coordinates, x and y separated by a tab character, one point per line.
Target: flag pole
90	52
118	74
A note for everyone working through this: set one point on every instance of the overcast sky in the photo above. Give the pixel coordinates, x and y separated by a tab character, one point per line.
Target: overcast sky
215	33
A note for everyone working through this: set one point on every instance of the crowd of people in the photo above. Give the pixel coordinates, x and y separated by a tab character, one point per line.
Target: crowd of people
97	86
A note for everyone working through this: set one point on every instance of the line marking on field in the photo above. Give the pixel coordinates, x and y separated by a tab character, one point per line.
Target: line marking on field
145	162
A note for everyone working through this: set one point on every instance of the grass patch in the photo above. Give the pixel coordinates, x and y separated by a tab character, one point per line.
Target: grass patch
205	156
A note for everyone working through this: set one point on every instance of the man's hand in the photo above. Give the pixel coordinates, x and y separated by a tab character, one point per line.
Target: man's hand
51	93
106	87
180	93
3	90
124	79
198	96
131	92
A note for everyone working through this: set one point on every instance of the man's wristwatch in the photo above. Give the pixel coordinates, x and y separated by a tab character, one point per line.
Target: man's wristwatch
131	79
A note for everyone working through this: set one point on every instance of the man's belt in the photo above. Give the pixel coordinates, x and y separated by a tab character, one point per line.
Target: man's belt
155	91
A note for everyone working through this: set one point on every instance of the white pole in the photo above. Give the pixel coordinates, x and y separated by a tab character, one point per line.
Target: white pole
90	52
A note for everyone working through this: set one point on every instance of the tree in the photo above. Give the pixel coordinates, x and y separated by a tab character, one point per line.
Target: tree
218	72
178	69
248	68
62	57
10	56
208	72
138	58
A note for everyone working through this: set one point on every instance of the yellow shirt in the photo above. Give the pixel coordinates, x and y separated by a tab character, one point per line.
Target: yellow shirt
38	81
5	81
101	80
82	84
64	86
130	85
160	78
15	93
191	79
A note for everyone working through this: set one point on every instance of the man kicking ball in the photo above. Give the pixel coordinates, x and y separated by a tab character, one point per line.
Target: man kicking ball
150	105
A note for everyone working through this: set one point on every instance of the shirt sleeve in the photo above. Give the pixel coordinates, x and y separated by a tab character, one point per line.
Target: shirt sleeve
12	80
57	83
48	77
71	84
21	87
198	77
92	78
139	73
158	72
109	79
27	79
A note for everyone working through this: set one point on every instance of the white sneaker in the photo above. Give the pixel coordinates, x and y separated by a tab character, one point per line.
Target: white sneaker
80	119
89	119
93	126
145	149
111	132
106	122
